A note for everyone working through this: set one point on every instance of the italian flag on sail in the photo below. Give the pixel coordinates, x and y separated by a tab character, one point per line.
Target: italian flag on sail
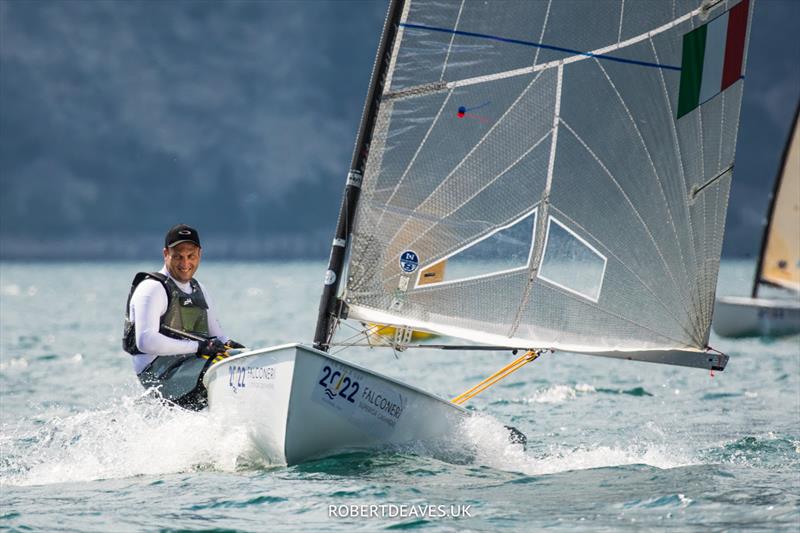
713	56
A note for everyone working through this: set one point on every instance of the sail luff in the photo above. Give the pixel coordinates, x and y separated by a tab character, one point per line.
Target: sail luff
690	309
347	212
784	168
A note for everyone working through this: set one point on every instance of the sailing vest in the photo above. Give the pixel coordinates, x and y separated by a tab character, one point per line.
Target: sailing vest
185	312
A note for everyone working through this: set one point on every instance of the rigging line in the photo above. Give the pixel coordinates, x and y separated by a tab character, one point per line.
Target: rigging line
443	182
621	14
539	45
667	308
657	177
476	193
452	38
630	203
680	163
351	341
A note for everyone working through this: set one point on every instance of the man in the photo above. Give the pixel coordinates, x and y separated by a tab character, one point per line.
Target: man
165	310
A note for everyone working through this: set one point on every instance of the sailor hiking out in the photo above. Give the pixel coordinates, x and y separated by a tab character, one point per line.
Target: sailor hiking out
171	329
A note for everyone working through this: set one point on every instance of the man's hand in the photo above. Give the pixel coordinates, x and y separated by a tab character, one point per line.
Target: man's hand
234	345
211	348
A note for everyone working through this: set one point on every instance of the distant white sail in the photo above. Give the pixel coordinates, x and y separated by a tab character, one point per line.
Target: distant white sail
780	261
529	183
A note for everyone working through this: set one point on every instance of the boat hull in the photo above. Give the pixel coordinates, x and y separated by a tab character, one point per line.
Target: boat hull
299	403
751	317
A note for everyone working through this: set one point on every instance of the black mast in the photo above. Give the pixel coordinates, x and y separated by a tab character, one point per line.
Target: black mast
329	305
772	199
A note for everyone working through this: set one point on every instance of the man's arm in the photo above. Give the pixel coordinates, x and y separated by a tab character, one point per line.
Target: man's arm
214	329
148	304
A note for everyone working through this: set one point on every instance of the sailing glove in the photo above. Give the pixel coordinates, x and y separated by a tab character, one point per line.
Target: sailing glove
234	345
210	348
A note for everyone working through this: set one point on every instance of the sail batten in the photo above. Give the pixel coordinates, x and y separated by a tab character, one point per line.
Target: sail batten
561	200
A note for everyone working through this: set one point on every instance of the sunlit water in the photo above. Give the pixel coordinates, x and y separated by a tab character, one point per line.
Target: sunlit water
611	444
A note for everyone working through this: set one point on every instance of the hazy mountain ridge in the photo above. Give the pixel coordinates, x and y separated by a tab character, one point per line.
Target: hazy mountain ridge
118	119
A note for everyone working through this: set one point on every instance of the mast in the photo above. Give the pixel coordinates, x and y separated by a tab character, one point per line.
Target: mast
773	198
329	306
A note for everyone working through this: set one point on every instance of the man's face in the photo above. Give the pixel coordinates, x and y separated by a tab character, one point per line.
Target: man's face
182	260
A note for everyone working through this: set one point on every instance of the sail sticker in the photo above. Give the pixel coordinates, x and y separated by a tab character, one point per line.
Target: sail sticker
368	403
403	283
713	57
409	261
330	277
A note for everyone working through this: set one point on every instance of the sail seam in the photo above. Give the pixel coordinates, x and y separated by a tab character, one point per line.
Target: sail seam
600	53
545	203
709	309
443	182
609	312
452	38
701	271
680	166
621	14
382	316
630	203
578	55
655	174
476	193
667	308
544	28
414	157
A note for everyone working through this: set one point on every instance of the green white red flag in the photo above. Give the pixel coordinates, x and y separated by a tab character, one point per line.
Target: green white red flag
713	57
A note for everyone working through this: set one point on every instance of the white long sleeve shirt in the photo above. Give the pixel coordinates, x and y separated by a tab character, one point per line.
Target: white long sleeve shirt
148	304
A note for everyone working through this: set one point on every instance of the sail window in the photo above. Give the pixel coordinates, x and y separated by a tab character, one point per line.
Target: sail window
504	250
571	263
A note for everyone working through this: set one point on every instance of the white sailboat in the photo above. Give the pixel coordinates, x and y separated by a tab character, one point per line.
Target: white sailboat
778	262
527	176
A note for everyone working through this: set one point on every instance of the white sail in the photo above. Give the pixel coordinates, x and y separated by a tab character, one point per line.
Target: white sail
529	182
780	261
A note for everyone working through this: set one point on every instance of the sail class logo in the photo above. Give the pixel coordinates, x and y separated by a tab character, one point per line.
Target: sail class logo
713	56
409	261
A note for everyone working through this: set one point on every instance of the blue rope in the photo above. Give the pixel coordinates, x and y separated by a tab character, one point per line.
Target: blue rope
539	45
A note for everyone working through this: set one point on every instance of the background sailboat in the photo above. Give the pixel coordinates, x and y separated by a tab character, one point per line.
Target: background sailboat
571	164
777	310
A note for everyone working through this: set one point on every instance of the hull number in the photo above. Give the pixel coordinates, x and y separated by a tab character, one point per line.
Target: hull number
336	384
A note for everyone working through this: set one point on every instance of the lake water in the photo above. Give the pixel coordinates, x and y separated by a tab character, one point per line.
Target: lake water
612	445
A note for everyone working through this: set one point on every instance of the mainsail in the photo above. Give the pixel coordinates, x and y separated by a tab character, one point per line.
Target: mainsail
779	263
549	174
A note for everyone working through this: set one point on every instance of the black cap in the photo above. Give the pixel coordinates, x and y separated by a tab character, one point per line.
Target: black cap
181	233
